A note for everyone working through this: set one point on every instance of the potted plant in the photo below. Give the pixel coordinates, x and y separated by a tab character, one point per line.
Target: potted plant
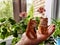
3	43
50	41
57	31
8	27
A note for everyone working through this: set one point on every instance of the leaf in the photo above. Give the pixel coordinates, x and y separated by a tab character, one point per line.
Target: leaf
31	11
11	21
3	20
3	43
15	34
57	29
15	40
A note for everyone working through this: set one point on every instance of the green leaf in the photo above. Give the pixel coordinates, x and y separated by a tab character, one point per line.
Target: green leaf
15	34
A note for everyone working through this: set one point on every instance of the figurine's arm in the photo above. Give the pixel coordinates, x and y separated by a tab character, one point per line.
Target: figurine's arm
30	31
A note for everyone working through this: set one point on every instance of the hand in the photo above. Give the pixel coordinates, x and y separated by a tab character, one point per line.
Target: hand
40	37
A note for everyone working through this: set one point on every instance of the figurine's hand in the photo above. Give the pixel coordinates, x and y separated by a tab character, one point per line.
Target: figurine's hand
40	37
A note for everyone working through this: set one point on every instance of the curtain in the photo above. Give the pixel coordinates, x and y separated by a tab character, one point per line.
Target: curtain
55	9
58	11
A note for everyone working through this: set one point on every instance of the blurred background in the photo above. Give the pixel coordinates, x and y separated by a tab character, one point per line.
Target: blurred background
12	26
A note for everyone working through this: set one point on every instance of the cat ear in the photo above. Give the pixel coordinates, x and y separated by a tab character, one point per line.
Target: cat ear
41	17
30	20
46	18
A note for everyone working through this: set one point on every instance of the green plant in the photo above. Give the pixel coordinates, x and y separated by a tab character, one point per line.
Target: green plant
6	9
4	27
57	29
50	40
8	27
15	40
31	12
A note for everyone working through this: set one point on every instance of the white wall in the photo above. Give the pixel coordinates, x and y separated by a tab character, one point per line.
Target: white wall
48	6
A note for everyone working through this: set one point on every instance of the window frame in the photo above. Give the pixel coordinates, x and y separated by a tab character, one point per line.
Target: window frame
18	7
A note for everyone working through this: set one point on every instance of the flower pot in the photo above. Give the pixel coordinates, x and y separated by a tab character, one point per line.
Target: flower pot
6	41
57	41
3	43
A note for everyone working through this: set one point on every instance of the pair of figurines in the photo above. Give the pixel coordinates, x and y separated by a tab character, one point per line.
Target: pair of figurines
42	28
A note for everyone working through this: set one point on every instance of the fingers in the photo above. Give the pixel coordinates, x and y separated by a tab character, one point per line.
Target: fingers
51	29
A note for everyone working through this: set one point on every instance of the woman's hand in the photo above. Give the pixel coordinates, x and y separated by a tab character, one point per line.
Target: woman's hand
40	37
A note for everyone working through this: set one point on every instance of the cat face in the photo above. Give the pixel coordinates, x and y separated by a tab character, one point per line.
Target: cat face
43	21
33	23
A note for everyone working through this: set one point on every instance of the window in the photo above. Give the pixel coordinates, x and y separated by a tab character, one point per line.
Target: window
56	9
18	7
29	3
6	8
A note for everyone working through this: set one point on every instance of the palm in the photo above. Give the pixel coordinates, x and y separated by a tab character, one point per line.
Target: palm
40	37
